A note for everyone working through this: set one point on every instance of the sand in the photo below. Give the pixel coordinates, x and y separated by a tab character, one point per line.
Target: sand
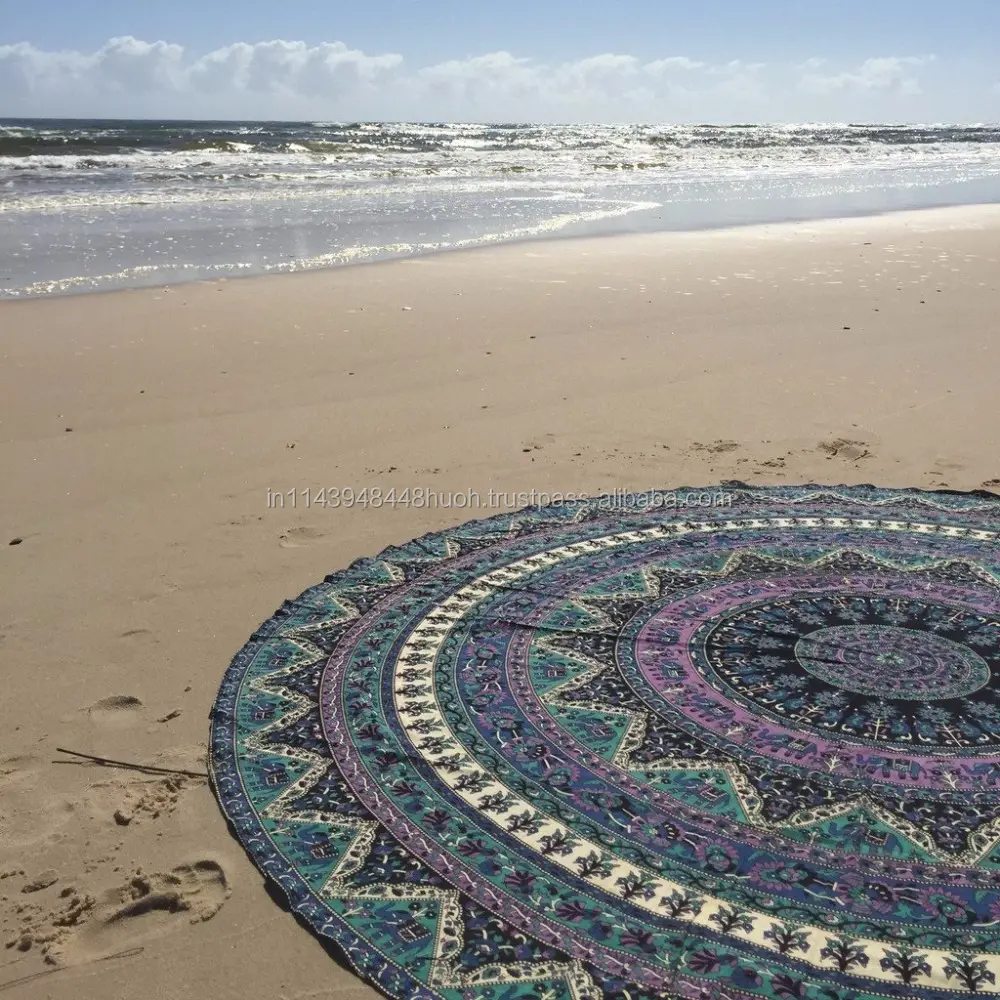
141	431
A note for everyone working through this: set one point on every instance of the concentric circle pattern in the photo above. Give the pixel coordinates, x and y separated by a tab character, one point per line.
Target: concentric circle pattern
888	661
595	752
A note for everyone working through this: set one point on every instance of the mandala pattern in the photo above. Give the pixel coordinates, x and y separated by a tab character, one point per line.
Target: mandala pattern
604	752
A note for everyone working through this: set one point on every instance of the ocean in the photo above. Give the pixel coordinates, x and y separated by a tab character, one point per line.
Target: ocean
92	205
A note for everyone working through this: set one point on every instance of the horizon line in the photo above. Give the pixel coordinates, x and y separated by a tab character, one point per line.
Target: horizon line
772	123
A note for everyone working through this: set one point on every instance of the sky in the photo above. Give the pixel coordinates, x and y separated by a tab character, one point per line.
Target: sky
518	60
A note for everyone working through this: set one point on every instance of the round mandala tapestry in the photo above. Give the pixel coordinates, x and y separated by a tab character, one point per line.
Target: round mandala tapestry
604	751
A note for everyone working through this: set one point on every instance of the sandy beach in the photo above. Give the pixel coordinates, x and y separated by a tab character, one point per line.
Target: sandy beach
145	437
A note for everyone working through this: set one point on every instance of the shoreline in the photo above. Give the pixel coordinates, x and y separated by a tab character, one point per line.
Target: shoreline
142	433
612	225
928	214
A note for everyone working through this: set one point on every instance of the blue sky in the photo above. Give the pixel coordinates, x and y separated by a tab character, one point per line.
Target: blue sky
547	59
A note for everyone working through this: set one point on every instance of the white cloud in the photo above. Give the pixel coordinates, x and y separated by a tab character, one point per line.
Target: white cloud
126	64
480	79
127	74
129	77
280	78
500	73
288	71
735	67
741	82
671	64
132	65
887	74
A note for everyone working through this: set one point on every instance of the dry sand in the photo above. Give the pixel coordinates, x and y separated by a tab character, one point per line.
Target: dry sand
141	431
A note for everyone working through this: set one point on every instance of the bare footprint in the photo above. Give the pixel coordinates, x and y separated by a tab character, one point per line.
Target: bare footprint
992	484
29	812
853	451
119	710
296	538
146	906
145	800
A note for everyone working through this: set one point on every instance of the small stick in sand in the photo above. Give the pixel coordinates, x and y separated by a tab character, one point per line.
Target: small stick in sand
108	762
128	953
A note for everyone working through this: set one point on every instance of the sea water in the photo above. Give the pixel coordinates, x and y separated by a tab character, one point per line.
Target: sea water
88	205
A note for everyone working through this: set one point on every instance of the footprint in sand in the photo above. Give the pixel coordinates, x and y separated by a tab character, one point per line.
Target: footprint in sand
145	906
296	538
138	802
992	484
120	710
852	451
30	814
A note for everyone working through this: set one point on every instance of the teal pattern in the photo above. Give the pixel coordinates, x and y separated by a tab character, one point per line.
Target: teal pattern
617	751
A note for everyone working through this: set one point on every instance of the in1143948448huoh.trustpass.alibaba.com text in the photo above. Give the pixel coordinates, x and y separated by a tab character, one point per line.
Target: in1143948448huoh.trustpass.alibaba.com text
422	497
